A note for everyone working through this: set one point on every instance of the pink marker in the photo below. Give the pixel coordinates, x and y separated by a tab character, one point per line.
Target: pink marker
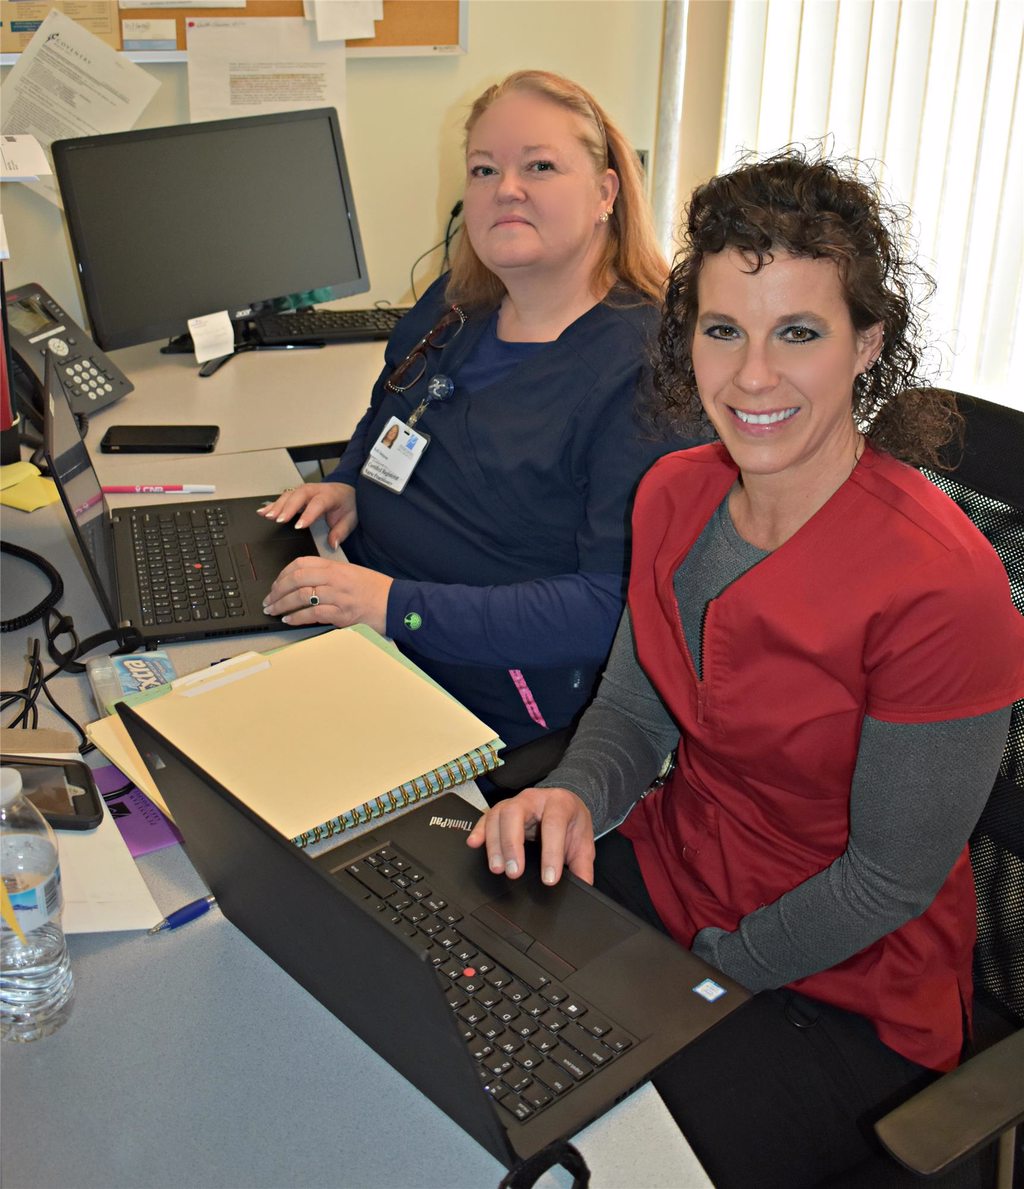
162	489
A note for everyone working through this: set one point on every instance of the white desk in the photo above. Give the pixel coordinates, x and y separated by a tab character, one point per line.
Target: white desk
192	1061
262	400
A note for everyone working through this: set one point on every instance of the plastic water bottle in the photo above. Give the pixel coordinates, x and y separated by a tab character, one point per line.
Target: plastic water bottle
36	987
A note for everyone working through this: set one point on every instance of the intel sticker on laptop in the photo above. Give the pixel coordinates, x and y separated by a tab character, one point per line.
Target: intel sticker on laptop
709	990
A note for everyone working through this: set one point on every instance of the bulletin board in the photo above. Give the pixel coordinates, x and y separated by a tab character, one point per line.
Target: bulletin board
409	27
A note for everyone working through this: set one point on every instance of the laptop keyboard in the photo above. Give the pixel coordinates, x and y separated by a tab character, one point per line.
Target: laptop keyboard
184	566
533	1040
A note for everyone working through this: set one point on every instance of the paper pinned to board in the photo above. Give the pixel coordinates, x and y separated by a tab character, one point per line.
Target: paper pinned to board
22	158
100	90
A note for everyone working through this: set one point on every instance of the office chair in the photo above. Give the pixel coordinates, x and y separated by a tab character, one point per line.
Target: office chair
982	1101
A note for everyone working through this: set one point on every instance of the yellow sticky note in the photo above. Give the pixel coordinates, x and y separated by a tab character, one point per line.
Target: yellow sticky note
31	493
16	472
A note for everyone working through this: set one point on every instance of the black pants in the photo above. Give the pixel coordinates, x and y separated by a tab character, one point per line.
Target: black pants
783	1092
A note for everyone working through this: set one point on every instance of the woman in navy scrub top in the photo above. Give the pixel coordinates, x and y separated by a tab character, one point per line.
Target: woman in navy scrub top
489	537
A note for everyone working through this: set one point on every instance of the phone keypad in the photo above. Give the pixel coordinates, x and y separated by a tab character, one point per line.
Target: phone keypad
89	380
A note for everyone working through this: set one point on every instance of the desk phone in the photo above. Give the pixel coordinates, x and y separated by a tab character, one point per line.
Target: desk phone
38	326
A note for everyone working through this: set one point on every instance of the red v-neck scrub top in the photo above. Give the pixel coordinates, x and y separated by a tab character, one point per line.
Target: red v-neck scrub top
887	603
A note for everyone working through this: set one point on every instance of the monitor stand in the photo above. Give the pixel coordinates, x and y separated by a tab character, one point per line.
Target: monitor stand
244	341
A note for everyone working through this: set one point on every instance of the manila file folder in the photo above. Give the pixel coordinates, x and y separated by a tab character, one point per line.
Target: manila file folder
322	734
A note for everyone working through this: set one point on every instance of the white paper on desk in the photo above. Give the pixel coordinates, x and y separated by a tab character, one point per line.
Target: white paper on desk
22	158
70	83
213	336
103	889
248	67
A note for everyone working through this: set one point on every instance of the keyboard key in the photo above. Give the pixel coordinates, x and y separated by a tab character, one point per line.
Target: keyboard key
515	1106
588	1045
554	1077
536	1096
579	1067
617	1040
529	1057
516	1080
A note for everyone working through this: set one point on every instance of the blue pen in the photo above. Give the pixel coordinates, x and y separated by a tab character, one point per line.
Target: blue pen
182	916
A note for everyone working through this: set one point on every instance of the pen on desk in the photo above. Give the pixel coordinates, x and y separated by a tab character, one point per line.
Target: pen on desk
161	489
182	916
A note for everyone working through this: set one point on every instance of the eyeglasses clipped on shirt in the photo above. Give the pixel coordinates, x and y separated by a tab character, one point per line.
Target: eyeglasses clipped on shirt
413	366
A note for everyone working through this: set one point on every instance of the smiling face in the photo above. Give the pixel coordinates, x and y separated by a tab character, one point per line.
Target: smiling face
775	355
534	199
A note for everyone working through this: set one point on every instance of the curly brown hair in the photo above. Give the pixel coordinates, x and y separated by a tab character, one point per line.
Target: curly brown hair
819	209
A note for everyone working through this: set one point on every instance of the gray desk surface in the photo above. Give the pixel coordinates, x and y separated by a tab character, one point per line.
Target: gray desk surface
192	1061
262	400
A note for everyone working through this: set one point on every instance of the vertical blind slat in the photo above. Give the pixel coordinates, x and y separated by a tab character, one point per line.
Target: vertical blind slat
930	92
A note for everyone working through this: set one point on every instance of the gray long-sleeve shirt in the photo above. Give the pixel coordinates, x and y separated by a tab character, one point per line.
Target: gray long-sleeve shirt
917	791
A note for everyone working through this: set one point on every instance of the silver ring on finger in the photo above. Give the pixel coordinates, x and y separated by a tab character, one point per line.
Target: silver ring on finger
314	598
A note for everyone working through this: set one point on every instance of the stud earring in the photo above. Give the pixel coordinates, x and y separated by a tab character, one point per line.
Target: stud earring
605	216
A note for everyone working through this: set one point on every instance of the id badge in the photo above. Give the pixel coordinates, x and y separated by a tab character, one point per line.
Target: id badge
394	455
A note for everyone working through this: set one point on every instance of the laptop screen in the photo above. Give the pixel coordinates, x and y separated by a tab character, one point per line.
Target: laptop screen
80	490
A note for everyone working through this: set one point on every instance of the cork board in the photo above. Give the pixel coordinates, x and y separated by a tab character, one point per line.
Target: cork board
409	27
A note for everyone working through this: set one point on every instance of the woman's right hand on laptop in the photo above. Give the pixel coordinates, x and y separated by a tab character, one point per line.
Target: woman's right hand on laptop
558	816
335	502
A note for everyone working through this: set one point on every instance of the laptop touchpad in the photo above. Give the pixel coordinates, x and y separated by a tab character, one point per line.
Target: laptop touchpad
263	561
575	925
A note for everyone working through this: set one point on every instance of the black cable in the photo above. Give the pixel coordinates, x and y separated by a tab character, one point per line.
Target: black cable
28	694
449	235
48	602
38	683
55	625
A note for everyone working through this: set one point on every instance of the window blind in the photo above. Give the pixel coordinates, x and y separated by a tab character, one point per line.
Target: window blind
929	93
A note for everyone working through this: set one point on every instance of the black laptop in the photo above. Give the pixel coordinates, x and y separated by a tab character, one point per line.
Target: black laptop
523	1012
172	570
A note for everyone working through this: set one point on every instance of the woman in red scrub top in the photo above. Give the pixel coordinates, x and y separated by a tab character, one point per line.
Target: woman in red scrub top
827	647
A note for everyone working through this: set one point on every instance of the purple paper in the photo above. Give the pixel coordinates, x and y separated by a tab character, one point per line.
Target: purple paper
143	827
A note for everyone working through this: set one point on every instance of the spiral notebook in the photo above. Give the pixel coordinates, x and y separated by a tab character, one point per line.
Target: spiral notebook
317	737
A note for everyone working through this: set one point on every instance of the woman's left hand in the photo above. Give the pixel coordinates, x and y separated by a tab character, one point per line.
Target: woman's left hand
316	590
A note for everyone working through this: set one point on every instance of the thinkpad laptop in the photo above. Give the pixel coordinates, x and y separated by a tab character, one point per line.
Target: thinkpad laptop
168	571
523	1012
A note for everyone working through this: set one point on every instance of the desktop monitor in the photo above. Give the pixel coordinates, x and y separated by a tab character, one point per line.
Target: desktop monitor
249	215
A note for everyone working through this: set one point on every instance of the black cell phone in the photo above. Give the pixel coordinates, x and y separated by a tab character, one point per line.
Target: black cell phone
63	791
160	439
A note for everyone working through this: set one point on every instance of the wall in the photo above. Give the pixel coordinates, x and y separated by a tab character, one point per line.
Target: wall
403	129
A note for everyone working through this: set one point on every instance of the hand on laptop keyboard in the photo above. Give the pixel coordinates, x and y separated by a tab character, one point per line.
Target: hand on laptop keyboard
567	837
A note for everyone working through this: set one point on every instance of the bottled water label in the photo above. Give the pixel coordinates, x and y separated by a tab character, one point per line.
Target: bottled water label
35	897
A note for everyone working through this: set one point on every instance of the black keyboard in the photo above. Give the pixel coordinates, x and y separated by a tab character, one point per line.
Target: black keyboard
184	566
327	326
533	1040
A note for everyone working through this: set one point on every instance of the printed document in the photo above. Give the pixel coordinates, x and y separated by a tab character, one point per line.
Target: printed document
69	83
249	67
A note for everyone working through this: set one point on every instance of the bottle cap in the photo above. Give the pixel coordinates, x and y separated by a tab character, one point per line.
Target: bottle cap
10	784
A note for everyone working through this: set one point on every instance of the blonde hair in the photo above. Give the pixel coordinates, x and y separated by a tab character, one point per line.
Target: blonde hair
631	259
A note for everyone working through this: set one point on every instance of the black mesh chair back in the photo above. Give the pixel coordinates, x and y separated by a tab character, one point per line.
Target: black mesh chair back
988	484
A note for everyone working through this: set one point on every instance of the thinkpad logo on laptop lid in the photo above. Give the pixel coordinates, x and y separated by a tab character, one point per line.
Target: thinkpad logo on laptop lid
451	823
